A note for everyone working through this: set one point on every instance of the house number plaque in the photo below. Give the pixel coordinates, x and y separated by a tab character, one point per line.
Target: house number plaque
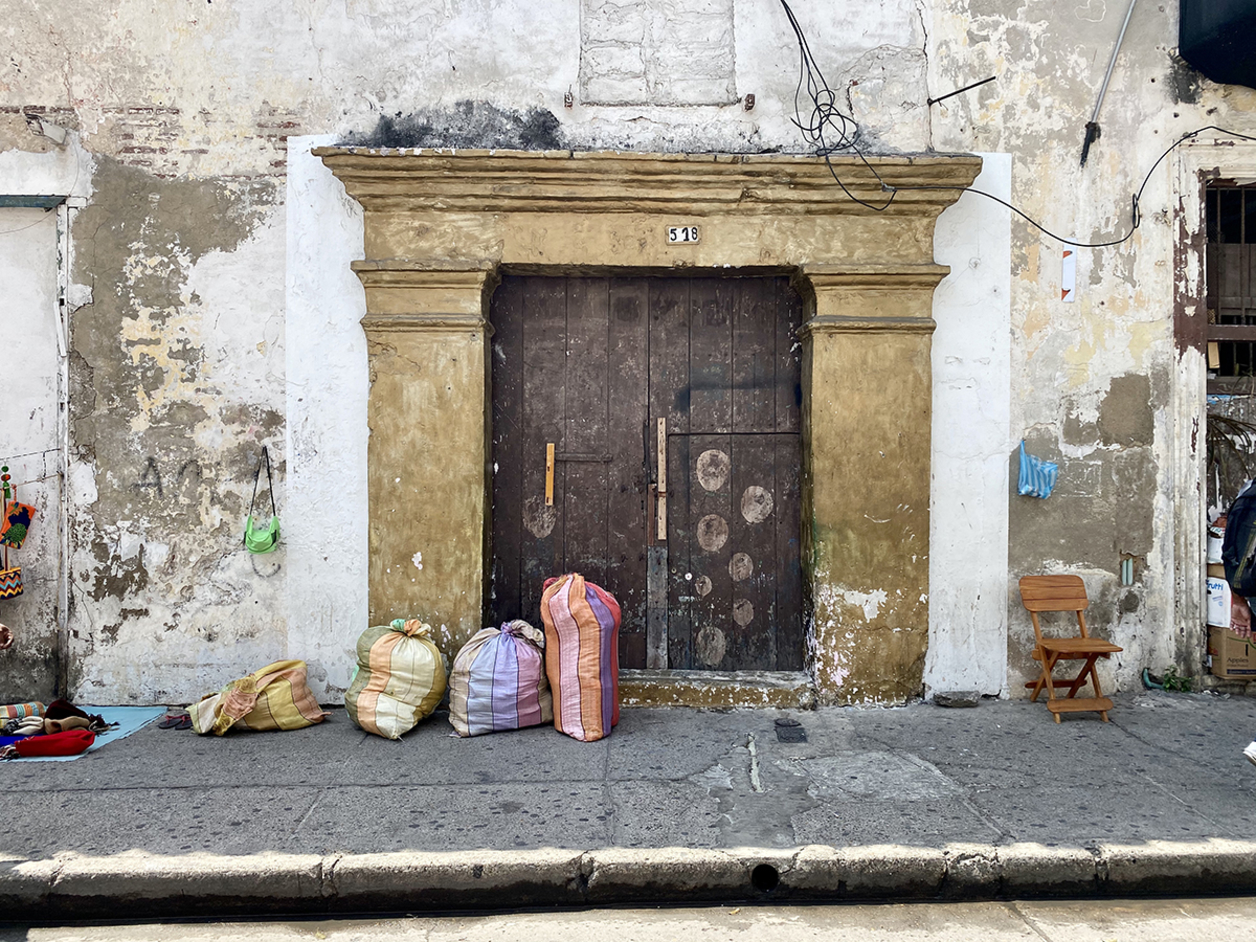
682	234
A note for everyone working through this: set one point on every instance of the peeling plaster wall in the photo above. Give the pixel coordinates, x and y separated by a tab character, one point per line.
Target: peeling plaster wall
178	383
1098	384
212	312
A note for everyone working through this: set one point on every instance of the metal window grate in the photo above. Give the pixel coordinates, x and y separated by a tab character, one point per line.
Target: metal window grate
1230	275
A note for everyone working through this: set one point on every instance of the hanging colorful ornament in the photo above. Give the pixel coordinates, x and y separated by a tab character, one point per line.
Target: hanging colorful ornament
16	523
11	577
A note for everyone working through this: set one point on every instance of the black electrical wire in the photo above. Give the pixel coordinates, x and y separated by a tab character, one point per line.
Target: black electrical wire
826	115
1136	211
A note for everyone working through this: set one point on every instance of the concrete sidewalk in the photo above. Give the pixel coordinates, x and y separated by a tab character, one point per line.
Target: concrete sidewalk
677	805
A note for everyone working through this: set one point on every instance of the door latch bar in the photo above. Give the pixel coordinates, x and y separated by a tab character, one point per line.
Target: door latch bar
661	502
549	474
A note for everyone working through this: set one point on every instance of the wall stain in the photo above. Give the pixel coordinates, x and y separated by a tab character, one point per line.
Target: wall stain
468	124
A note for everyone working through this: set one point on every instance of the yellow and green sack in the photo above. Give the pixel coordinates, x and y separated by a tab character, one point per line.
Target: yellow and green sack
400	678
275	697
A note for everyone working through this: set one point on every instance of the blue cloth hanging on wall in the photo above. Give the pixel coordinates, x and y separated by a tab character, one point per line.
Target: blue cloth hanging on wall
1037	477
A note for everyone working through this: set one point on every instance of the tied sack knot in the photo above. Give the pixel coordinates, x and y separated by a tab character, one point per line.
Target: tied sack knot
521	629
412	627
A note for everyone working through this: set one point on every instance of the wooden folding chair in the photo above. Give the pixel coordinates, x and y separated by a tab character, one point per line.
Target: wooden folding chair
1065	594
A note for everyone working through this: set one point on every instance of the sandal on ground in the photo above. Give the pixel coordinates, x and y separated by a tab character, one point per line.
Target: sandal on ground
175	721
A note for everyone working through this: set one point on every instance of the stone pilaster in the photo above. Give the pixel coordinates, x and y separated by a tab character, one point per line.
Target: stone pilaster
866	412
427	333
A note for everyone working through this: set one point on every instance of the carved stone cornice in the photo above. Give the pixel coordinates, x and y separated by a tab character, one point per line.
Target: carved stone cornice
860	286
426	294
375	324
420	270
482	181
844	324
873	277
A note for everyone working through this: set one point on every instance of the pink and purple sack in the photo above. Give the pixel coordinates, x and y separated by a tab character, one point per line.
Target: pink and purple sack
498	681
582	656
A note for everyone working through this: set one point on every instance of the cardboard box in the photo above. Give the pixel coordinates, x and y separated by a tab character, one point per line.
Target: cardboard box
1231	656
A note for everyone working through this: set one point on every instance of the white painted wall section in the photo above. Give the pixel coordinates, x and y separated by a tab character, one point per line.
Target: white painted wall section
29	428
325	523
968	533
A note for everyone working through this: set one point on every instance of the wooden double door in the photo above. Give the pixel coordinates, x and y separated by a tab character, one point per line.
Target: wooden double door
646	434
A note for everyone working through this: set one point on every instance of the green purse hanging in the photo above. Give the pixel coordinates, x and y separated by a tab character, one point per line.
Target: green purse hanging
262	539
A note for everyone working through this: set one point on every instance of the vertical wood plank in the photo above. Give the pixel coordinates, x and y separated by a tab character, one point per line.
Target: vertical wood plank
681	606
506	364
710	359
657	616
786	316
711	410
669	398
753	355
669	353
628	385
584	510
711	548
751	620
544	401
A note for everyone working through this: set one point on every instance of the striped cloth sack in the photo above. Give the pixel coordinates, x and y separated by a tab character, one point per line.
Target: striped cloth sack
582	656
498	681
399	679
275	697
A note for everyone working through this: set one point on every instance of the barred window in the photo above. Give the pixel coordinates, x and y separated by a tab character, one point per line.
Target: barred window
1230	271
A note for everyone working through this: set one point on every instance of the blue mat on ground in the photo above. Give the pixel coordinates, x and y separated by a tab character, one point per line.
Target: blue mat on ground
128	718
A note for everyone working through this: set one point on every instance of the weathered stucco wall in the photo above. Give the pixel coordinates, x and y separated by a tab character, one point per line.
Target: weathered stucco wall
1095	383
207	244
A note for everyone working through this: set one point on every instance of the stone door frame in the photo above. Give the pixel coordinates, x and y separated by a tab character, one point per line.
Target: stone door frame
441	227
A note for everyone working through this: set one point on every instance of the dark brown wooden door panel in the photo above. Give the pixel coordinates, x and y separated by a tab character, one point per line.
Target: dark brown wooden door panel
591	365
735	580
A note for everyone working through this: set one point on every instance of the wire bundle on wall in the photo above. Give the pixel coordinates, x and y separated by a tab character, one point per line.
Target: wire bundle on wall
828	130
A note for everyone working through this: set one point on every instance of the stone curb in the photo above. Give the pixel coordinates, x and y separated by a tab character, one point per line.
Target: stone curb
136	885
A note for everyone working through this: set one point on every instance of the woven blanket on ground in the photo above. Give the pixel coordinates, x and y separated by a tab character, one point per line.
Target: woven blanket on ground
498	681
11	711
71	742
275	697
582	656
399	679
122	722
